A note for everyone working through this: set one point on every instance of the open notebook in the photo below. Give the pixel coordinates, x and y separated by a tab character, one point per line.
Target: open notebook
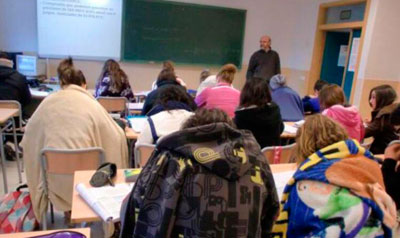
137	122
106	201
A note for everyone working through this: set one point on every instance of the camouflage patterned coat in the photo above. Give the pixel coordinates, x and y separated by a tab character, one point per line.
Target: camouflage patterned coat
208	181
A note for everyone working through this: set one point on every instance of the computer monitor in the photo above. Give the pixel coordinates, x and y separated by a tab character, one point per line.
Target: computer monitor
27	65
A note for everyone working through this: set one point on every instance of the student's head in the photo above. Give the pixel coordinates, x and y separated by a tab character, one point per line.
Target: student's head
331	95
319	85
204	74
227	73
255	92
381	96
166	74
265	42
277	81
317	132
117	76
170	94
204	116
67	74
168	64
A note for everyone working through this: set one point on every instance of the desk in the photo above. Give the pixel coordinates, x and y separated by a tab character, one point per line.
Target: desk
42	94
85	231
81	212
5	115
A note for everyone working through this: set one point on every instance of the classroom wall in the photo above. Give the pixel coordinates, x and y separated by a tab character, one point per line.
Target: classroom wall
380	57
290	23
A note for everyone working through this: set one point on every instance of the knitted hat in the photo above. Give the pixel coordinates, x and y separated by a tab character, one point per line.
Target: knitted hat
395	116
277	81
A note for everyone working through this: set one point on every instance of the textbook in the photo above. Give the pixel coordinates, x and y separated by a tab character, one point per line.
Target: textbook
106	201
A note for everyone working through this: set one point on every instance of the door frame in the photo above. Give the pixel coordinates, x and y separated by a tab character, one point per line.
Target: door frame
320	37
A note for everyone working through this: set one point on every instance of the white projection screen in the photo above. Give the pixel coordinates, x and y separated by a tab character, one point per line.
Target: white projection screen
83	29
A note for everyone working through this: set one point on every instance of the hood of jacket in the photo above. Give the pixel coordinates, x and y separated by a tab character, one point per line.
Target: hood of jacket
6	72
349	116
227	152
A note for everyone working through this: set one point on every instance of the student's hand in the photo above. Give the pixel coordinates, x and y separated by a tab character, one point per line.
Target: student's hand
393	152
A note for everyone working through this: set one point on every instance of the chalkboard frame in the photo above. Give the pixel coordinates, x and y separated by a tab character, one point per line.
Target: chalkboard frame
157	61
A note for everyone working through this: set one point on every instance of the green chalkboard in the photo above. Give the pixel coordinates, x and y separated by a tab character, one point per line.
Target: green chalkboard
155	30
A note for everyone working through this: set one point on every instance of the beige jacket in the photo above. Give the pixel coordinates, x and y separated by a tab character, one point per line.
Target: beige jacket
68	119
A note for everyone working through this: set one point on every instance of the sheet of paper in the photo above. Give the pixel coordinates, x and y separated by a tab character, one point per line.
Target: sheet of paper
290	129
353	54
342	56
136	106
281	180
137	122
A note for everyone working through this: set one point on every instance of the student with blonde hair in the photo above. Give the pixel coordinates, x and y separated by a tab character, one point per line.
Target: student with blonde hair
222	96
337	190
333	104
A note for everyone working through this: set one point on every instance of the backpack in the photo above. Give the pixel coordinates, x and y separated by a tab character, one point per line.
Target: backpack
16	212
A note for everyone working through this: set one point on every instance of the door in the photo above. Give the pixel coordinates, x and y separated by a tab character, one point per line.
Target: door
334	57
353	52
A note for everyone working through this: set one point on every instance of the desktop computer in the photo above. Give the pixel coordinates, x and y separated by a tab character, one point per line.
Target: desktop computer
27	65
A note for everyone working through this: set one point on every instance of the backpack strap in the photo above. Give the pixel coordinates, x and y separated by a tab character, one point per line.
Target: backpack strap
153	130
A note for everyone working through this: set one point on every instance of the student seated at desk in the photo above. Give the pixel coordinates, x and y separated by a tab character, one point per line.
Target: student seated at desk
311	102
113	82
259	114
338	189
207	179
68	119
13	85
333	104
288	100
166	78
382	101
169	113
223	96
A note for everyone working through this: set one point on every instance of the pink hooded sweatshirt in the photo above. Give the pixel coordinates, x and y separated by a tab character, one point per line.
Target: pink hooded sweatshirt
349	118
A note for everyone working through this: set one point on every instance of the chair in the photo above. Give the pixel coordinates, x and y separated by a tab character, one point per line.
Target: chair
66	162
12	104
142	154
114	104
367	143
279	154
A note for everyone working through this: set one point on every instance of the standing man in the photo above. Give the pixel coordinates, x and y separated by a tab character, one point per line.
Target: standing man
264	63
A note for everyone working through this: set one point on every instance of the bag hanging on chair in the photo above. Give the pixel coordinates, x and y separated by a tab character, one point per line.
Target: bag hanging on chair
16	212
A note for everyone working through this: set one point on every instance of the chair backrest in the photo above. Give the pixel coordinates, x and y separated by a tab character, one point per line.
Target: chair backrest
13	105
143	153
114	104
279	154
67	161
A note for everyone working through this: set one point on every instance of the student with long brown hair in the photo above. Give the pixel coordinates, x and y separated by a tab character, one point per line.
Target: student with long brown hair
113	82
337	190
381	100
222	96
333	104
258	113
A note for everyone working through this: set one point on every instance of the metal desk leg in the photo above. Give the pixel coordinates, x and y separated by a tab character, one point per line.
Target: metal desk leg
16	150
3	161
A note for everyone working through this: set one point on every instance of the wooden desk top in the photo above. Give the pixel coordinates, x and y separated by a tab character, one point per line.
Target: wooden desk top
81	212
85	231
131	134
7	113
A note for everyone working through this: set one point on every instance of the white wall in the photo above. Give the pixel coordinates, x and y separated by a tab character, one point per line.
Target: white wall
290	23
